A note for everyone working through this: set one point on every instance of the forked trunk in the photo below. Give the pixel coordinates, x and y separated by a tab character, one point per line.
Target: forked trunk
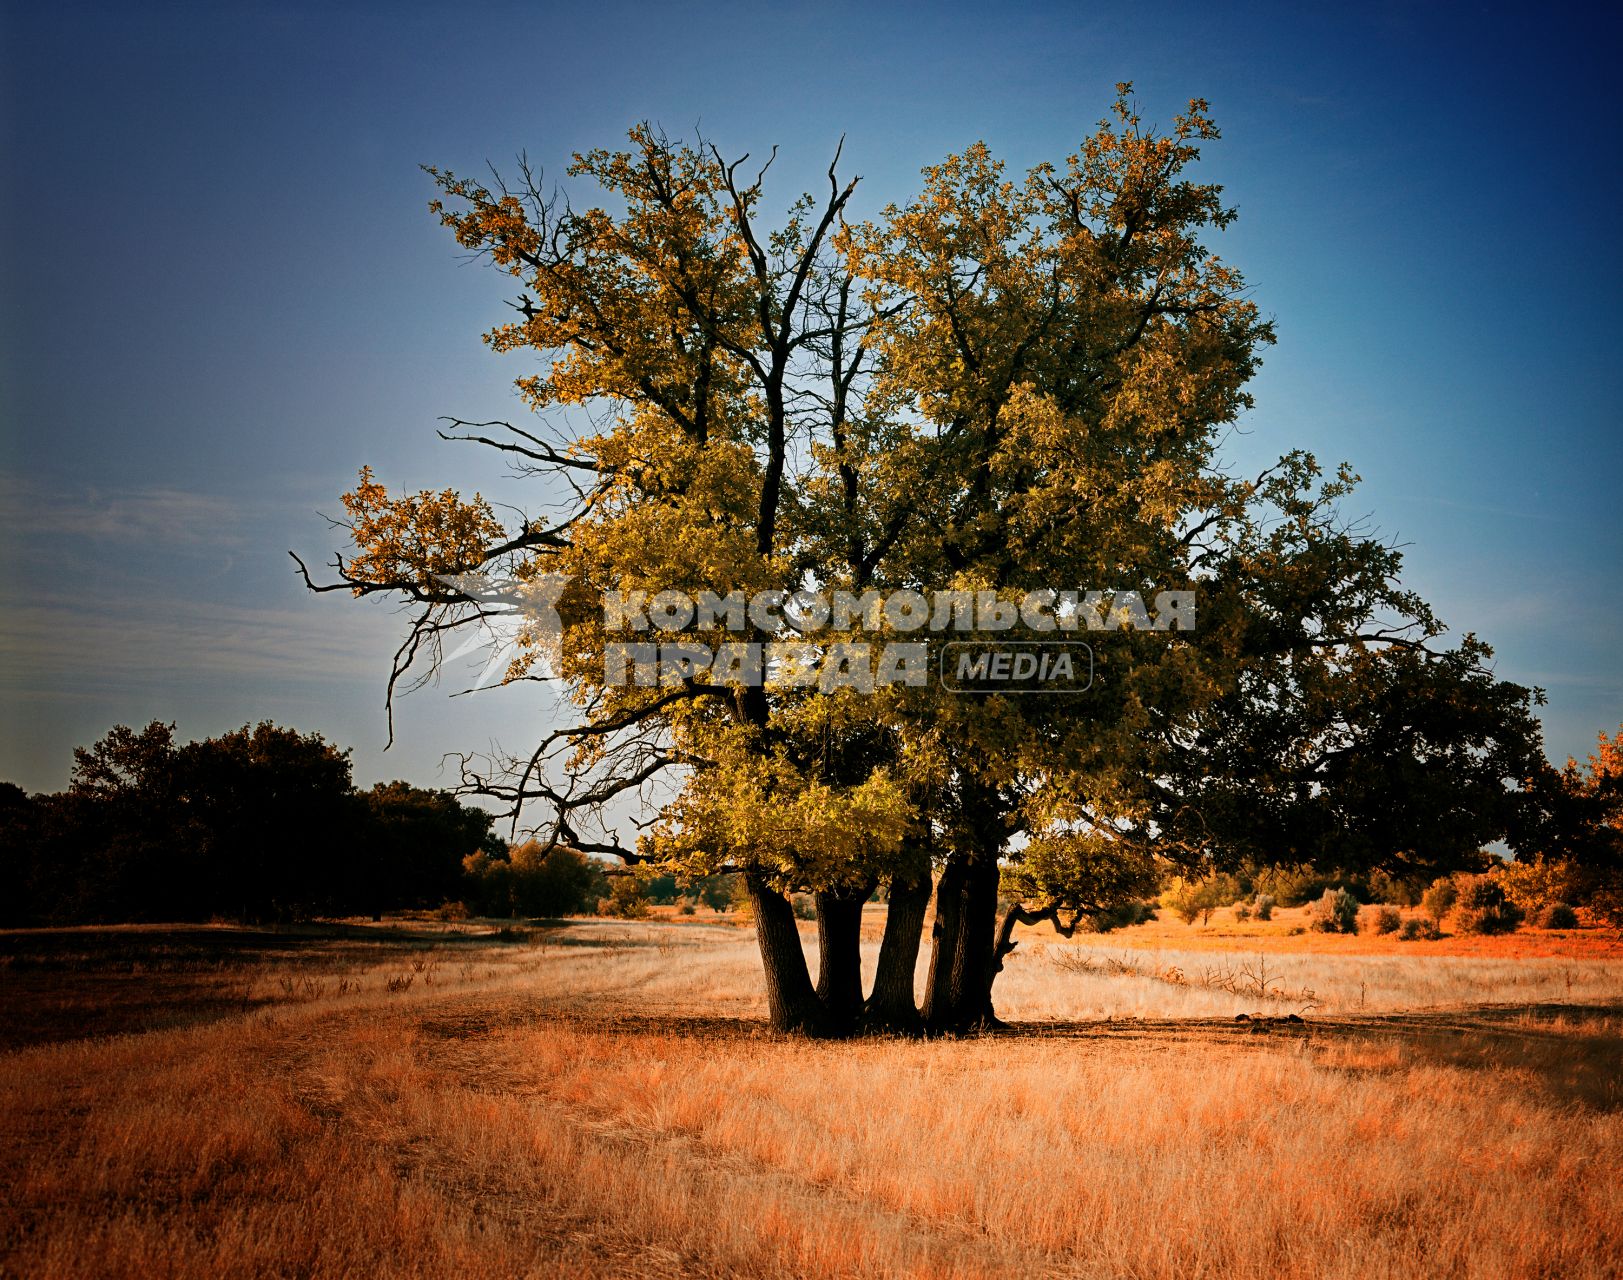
839	956
891	1004
792	1002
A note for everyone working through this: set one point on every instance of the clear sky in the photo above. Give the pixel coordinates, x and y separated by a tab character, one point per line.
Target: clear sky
221	293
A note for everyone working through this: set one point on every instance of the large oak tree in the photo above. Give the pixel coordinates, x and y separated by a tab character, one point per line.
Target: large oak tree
1004	385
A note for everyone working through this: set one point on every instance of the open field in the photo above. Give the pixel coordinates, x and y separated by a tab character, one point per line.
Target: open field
600	1099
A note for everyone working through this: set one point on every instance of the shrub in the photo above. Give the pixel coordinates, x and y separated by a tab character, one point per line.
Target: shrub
1335	912
1197	899
625	901
450	911
1385	920
686	908
1416	927
1120	917
1242	911
1439	899
805	906
1385	887
1540	882
532	881
1302	886
1265	906
1558	915
1482	906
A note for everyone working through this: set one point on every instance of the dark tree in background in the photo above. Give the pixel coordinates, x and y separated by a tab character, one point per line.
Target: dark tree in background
278	821
414	847
260	824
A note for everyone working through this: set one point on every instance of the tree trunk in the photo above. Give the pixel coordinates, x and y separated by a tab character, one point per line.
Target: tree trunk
891	1005
839	956
791	1000
962	961
949	911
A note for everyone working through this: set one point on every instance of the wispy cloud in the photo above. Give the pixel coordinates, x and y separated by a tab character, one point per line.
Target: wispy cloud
154	516
65	640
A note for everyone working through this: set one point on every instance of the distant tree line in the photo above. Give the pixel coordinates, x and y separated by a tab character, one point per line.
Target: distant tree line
265	824
260	824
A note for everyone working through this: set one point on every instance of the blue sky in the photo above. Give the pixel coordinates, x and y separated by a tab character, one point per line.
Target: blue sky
221	293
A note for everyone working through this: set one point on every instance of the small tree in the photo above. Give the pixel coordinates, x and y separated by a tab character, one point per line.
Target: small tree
1190	900
1439	899
416	842
488	884
661	890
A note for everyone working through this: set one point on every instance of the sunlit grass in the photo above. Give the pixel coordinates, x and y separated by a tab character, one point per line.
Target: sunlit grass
602	1100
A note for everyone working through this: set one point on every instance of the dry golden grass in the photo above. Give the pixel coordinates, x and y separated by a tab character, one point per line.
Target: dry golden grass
1287	933
602	1100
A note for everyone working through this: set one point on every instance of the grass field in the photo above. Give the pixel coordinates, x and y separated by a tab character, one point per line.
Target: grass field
601	1099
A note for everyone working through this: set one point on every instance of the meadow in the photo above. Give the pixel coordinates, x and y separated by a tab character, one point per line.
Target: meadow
601	1098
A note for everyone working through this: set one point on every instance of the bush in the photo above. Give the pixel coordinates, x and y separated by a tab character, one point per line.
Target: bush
626	900
1122	917
533	881
1197	899
1302	886
1417	928
560	882
1482	906
1538	883
451	911
1439	900
1558	915
686	908
1385	920
805	906
1335	912
1242	911
1385	887
1265	906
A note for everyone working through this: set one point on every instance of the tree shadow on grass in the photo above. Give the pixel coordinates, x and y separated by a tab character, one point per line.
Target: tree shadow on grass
1573	1053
